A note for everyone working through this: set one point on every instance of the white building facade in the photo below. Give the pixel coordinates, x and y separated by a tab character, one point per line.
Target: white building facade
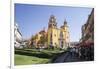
17	36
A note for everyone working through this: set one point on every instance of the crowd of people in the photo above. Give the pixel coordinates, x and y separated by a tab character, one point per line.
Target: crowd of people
87	52
83	52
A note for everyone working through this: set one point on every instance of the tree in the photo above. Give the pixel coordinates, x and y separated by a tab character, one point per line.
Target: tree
43	39
32	40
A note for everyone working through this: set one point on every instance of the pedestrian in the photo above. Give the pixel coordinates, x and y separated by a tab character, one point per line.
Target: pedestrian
71	52
77	54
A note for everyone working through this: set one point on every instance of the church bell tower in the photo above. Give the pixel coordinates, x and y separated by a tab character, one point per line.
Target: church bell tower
52	22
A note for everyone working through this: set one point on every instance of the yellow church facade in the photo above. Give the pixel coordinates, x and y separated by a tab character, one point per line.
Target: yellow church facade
58	37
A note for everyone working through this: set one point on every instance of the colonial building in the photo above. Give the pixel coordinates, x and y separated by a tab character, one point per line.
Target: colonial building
86	46
88	29
57	37
39	40
17	36
73	44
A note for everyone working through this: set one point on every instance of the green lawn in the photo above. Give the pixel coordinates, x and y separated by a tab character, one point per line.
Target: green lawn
24	60
33	56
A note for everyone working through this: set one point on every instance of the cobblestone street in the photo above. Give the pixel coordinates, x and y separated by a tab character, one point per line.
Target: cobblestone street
67	57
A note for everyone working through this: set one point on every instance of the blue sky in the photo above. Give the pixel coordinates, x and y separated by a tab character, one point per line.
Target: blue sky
33	18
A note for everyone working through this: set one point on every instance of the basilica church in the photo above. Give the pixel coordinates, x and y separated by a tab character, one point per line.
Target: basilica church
58	37
53	37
